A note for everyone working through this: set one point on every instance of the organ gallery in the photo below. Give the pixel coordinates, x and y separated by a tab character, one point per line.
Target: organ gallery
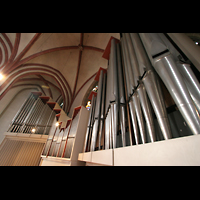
124	99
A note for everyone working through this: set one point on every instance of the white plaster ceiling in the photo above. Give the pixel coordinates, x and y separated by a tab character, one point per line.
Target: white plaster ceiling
65	58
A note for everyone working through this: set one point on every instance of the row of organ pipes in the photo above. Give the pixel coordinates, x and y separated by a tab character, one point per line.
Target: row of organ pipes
130	88
34	116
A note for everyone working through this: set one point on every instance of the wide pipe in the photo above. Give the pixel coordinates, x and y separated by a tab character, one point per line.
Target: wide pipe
157	103
191	82
151	86
165	66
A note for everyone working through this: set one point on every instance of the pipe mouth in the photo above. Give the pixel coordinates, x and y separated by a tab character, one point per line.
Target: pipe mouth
162	56
159	54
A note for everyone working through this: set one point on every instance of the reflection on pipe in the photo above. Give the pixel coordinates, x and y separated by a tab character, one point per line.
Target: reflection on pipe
191	82
165	66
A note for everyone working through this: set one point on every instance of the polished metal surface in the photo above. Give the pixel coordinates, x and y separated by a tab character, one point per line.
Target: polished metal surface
191	82
150	82
101	129
134	121
157	103
142	58
167	70
153	43
129	86
132	57
140	120
122	107
97	114
166	67
120	76
147	111
90	123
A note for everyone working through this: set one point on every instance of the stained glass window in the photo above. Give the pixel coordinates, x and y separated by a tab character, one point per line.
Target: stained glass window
95	89
88	105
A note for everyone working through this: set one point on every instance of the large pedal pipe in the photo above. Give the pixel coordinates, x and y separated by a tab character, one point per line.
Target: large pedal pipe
152	89
191	82
165	66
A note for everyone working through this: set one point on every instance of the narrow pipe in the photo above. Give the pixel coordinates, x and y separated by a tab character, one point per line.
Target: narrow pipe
147	111
102	110
135	99
18	114
132	58
138	68
106	132
128	85
115	106
134	121
89	124
24	114
122	108
97	113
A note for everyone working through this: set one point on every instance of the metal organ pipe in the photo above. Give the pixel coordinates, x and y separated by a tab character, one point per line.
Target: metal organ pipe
97	115
115	105
90	124
102	110
122	109
150	83
140	55
137	111
164	64
140	68
191	82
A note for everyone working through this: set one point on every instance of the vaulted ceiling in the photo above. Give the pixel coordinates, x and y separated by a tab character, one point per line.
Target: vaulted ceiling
58	64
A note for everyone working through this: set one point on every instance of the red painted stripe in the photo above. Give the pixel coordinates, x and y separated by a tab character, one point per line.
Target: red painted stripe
5	51
1	56
15	48
45	70
14	86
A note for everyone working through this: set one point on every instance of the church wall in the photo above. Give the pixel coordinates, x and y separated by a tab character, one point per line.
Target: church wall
11	109
79	97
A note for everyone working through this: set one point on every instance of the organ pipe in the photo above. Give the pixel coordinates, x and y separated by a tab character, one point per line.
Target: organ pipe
164	63
33	115
152	89
139	57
